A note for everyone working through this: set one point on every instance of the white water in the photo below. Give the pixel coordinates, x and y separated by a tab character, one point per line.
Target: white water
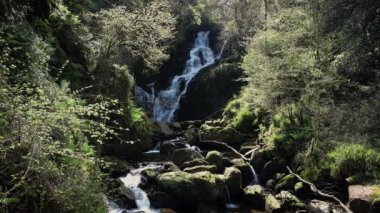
255	177
168	100
132	182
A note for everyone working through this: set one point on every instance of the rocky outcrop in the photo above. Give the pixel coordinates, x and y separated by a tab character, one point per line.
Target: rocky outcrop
204	96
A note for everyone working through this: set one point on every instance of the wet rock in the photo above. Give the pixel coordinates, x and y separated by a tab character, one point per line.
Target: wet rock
361	197
232	176
215	158
286	183
289	201
192	135
202	168
149	176
159	200
190	189
272	205
255	195
196	162
180	156
168	148
223	134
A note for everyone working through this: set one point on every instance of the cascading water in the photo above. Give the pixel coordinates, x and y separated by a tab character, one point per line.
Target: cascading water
168	100
132	182
255	177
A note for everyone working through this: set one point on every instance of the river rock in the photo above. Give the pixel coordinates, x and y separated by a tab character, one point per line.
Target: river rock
232	176
255	195
192	135
289	201
180	156
149	176
272	205
286	183
202	168
223	134
188	190
361	197
215	158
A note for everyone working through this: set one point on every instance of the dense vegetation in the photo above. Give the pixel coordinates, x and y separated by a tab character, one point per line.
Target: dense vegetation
67	71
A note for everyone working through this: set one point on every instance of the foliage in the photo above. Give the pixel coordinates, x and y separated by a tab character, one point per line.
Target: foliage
351	159
290	131
145	31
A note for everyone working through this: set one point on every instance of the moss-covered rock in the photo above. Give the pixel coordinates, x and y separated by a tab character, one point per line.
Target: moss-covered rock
180	156
223	134
195	162
170	167
286	183
215	158
190	189
245	169
192	135
272	205
289	201
255	195
232	176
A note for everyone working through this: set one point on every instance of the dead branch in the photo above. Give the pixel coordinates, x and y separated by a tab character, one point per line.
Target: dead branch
320	193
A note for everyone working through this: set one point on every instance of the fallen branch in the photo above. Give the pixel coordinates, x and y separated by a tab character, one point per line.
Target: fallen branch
320	193
225	146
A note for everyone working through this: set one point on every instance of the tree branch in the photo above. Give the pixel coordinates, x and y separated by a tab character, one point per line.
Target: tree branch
318	192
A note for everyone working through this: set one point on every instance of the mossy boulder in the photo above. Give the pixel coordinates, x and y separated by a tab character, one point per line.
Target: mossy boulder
255	195
289	201
272	205
195	162
215	158
232	176
245	169
180	156
170	167
223	134
286	183
188	190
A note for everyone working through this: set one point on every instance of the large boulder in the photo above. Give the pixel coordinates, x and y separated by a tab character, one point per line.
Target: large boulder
180	156
232	176
255	195
188	190
363	198
223	134
245	169
289	201
215	158
272	205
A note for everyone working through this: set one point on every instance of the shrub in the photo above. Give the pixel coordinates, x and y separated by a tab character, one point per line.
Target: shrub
353	159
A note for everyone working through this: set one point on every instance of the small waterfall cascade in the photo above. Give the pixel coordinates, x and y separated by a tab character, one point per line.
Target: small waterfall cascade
167	101
229	204
132	182
255	177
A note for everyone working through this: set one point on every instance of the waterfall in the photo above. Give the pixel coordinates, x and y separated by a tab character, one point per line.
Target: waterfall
255	177
143	99
132	182
167	101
